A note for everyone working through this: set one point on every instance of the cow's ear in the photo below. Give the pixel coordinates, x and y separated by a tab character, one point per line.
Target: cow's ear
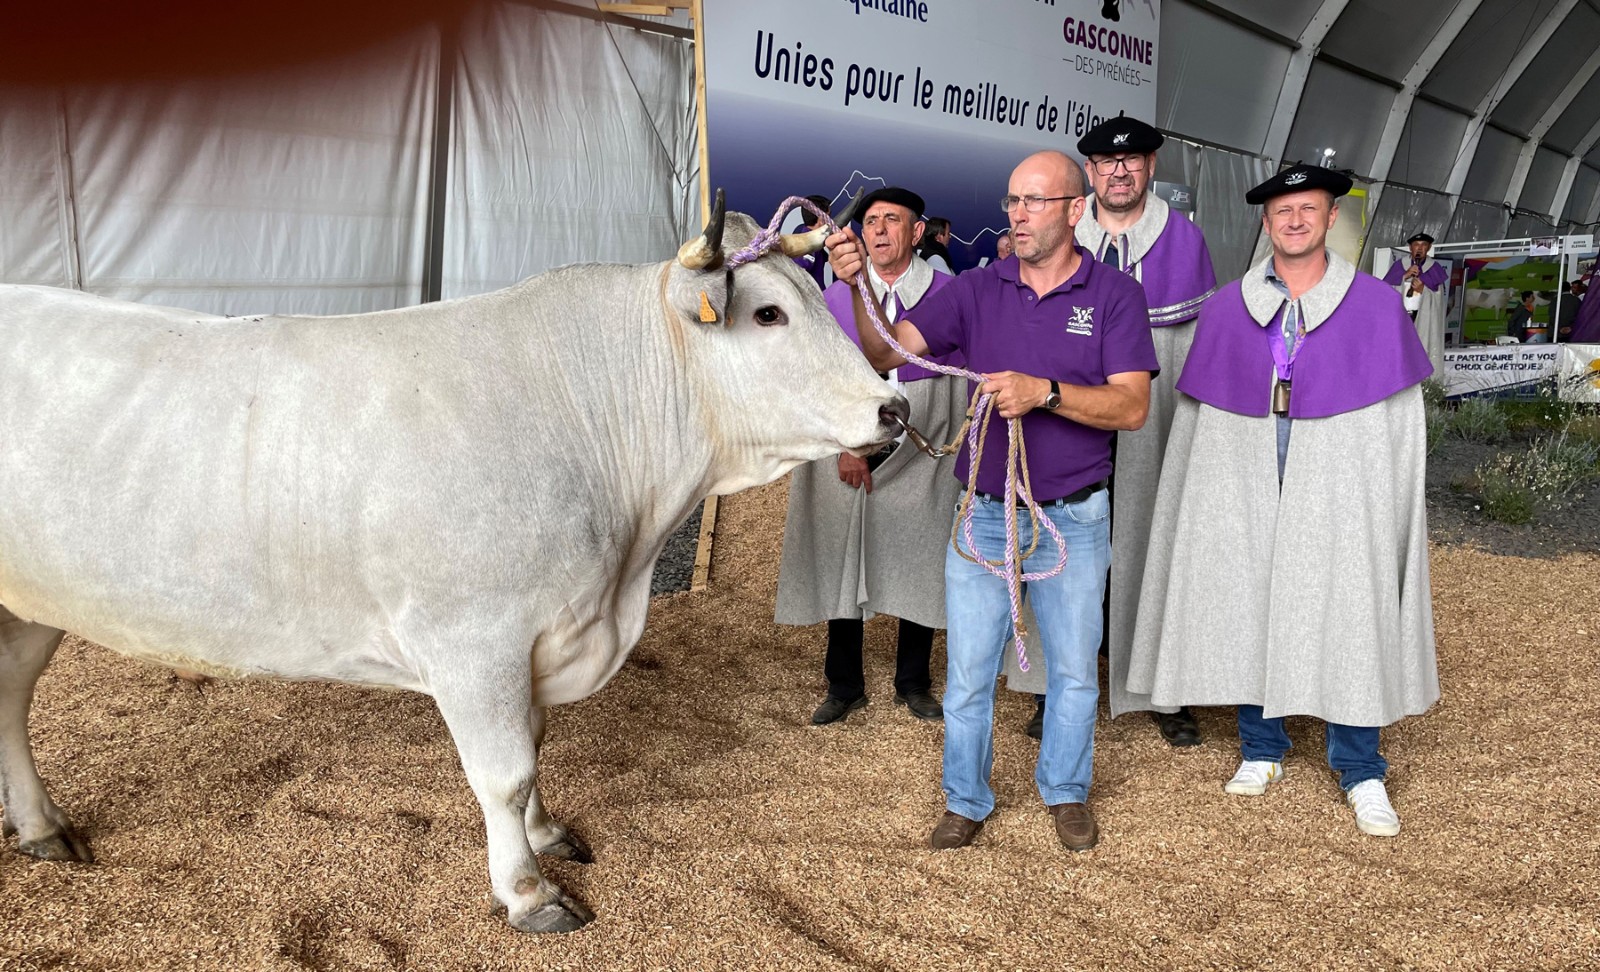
703	296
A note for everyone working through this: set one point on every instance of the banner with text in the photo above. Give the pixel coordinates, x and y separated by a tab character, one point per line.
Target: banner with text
943	97
1510	369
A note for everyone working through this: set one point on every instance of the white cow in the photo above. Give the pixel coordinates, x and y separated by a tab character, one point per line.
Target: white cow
465	499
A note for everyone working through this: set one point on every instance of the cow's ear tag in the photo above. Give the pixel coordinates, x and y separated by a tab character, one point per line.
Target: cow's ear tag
707	314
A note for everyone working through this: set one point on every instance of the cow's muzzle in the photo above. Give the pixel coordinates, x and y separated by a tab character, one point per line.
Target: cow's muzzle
895	417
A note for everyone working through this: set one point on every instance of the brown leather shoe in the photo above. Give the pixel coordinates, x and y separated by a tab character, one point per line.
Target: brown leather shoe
954	831
1075	826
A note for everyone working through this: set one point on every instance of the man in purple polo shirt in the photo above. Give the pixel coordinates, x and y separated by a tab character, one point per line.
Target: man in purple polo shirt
1064	344
867	536
1288	563
1128	228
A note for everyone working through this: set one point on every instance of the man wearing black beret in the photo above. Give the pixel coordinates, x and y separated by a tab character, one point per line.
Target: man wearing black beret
1421	281
1129	229
867	536
1288	567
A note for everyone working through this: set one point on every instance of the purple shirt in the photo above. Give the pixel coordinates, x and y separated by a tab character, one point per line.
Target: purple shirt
840	304
1364	352
1092	326
1432	278
1586	326
813	264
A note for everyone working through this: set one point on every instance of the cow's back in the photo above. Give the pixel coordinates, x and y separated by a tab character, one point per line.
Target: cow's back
264	494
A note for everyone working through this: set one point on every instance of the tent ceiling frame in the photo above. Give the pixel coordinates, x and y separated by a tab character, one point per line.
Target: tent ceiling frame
1570	173
1519	176
1294	81
1519	63
1400	111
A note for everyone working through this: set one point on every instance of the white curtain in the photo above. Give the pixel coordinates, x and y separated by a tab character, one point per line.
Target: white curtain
36	232
1231	225
573	141
1403	212
1478	221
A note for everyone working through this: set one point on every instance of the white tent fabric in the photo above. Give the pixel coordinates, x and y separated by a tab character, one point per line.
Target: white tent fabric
608	170
36	226
565	136
294	191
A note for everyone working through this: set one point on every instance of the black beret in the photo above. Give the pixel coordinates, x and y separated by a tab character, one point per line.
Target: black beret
1299	178
1120	134
1420	238
893	194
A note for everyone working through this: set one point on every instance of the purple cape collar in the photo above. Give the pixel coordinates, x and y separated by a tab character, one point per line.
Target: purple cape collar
1361	346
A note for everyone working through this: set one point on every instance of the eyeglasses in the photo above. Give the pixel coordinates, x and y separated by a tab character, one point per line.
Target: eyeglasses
1129	163
1033	204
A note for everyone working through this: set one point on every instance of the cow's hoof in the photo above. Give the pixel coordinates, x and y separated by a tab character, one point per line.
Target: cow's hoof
63	846
569	848
561	915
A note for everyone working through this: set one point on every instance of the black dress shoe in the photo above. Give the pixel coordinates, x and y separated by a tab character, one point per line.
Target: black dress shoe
1178	728
833	709
921	703
1036	724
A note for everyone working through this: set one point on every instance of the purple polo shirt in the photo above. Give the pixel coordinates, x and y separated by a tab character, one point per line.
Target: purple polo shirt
1094	325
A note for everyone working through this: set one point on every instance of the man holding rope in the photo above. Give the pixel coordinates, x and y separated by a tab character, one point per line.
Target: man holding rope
1063	344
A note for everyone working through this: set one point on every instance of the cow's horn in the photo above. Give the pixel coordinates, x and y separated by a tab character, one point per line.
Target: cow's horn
848	213
801	244
706	249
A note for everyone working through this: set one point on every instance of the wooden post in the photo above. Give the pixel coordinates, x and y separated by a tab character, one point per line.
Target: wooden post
708	510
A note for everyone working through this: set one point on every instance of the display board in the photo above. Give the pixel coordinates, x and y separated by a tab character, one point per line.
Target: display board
1521	369
943	97
1494	287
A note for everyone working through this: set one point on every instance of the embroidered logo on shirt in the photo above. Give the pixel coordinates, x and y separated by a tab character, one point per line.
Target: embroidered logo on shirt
1294	180
1082	321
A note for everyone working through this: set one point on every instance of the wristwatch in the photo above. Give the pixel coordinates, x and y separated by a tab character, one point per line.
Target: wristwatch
1052	401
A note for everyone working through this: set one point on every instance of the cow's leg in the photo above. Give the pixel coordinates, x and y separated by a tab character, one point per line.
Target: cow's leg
489	719
42	829
545	835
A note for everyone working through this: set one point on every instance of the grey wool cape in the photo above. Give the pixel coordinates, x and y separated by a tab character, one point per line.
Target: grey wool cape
1310	601
850	555
847	554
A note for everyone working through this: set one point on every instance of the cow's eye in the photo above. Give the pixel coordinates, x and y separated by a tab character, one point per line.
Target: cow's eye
771	316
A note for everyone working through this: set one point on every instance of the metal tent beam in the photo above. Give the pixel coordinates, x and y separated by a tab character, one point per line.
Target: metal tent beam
1570	173
1480	117
1294	79
1519	176
1400	111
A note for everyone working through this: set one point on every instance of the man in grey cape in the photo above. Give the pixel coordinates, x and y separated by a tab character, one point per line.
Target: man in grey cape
867	536
1128	228
1420	280
1288	563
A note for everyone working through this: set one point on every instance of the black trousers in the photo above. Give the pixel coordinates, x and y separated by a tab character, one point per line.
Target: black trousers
846	678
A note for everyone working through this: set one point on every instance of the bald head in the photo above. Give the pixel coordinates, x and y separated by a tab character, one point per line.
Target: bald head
1063	174
1055	182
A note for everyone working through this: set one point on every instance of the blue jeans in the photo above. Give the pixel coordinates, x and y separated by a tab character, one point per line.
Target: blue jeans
978	615
1352	750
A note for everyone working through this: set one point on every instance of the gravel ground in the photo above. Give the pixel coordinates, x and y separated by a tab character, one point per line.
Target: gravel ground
272	826
675	569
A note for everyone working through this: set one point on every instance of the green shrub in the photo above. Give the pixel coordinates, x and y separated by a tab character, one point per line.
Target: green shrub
1504	498
1438	426
1550	475
1433	393
1479	420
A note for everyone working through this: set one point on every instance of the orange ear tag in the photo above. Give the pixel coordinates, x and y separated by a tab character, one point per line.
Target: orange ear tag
707	315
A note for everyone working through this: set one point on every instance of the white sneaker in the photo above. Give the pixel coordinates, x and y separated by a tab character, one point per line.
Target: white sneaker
1374	814
1253	777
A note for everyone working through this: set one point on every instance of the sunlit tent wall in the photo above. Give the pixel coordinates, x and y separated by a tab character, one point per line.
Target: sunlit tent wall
449	162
